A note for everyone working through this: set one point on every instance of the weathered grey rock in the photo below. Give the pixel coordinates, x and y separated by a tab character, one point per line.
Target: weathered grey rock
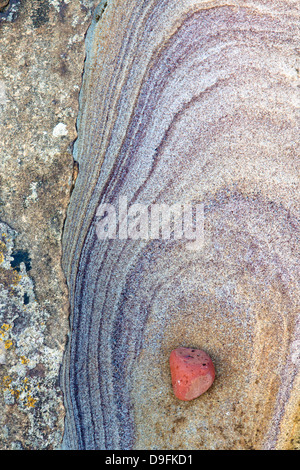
41	63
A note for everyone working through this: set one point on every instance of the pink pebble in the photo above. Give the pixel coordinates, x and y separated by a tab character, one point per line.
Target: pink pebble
192	372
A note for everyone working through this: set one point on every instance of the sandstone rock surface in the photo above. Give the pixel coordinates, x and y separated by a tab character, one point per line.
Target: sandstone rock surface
187	101
181	101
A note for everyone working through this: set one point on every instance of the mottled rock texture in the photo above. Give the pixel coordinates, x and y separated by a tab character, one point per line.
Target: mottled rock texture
187	101
41	63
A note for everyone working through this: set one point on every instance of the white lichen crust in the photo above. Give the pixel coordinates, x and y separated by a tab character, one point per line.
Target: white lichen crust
29	366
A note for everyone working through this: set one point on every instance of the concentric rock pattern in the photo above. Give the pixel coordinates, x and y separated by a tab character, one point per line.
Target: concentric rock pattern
187	101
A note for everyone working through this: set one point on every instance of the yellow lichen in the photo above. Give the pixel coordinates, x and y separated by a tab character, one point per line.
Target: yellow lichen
3	247
5	327
16	393
30	401
16	277
27	400
24	360
6	381
4	336
8	344
9	278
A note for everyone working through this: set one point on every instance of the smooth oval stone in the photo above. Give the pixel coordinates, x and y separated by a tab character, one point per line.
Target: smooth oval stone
192	372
